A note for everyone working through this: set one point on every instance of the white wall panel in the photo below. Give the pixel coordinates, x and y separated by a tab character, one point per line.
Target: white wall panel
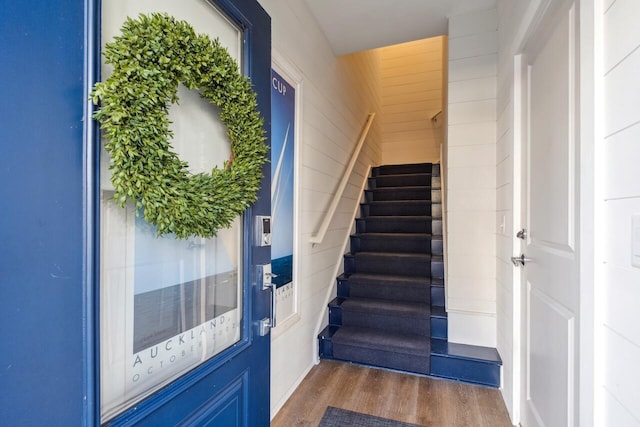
472	328
620	313
473	112
621	149
471	133
473	277
338	94
472	90
504	148
606	4
471	185
475	177
621	378
473	68
617	239
622	88
472	156
615	414
623	31
504	176
473	45
467	201
411	93
474	240
504	198
621	289
505	116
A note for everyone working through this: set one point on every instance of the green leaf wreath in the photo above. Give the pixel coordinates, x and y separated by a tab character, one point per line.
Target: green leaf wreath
151	57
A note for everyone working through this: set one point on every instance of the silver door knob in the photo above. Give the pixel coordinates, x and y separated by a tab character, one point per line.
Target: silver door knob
520	261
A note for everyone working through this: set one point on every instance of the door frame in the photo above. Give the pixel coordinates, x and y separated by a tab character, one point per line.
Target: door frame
590	206
255	300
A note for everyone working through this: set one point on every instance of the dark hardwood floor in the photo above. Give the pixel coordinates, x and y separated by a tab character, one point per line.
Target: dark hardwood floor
402	397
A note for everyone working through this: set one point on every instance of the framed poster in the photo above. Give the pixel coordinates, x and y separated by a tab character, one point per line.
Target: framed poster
285	92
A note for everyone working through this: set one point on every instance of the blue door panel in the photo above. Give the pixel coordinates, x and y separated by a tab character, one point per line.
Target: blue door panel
48	365
225	394
42	322
195	398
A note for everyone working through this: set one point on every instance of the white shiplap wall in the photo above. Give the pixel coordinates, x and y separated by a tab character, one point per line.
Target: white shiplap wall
621	334
411	93
471	178
338	94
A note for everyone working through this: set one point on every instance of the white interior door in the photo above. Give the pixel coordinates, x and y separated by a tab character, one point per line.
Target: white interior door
550	281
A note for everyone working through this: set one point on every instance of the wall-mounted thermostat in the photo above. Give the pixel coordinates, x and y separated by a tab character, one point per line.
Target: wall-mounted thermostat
263	230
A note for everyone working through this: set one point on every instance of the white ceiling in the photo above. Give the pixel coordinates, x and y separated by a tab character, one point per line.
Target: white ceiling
355	25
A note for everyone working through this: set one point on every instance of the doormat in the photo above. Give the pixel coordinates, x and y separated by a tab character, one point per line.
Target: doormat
336	417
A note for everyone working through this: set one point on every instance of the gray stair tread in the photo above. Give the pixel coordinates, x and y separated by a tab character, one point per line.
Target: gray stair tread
387	307
410	280
411	236
400	217
437	281
405	187
438	311
369	338
405	174
394	254
465	351
402	202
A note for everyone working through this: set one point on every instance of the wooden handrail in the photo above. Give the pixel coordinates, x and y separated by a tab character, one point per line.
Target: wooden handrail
318	237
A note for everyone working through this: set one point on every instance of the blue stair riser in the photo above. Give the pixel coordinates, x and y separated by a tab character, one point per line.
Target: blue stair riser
381	243
344	288
436	210
467	370
335	312
437	268
325	342
325	348
437	247
408	169
404	193
387	323
398	224
401	208
439	327
437	295
393	292
382	358
406	180
371	263
335	316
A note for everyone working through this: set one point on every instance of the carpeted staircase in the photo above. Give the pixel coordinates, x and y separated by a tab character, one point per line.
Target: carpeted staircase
389	310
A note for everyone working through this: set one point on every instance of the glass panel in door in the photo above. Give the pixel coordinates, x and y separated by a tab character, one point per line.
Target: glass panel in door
167	304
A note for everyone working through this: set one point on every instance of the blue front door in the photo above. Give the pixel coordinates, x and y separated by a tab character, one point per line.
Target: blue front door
50	262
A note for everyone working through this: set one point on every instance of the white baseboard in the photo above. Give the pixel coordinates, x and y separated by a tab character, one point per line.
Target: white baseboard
278	406
472	328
